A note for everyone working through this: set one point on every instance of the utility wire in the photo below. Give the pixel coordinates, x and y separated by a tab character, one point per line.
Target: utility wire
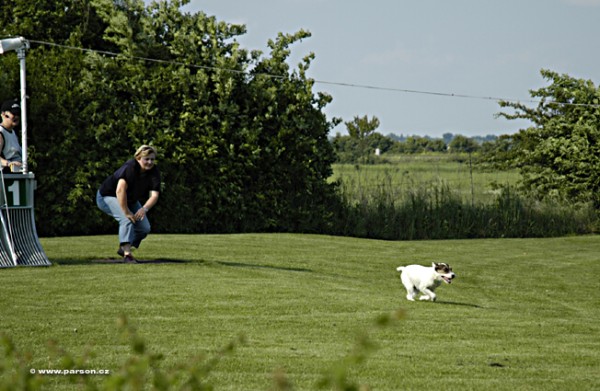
113	54
446	94
339	84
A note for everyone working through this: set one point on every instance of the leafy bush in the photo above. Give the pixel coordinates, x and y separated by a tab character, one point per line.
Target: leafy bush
242	137
559	154
142	370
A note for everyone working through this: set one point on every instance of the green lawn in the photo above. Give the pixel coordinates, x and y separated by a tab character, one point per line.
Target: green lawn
522	314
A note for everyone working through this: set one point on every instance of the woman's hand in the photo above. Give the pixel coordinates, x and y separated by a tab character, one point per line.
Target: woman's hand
140	214
131	217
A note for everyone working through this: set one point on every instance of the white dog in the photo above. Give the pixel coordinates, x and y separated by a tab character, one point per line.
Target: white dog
417	278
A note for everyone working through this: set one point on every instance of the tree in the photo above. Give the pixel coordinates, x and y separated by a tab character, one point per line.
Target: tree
413	144
346	148
463	144
499	152
559	155
242	137
379	141
361	128
352	150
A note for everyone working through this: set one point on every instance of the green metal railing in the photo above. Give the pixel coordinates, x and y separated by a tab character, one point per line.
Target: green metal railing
19	243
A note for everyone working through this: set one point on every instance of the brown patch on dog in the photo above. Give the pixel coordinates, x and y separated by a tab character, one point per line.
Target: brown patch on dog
443	268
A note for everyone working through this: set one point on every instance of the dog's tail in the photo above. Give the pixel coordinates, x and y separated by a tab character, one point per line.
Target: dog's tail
400	268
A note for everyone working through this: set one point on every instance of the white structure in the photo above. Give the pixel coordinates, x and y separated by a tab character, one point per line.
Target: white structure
20	45
19	243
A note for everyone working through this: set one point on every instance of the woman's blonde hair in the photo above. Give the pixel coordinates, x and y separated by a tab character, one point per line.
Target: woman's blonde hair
144	151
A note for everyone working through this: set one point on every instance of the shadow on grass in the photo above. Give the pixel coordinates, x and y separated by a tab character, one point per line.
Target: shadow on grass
112	261
255	266
459	304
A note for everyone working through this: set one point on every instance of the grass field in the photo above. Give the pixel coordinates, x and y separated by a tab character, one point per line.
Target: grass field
410	171
522	314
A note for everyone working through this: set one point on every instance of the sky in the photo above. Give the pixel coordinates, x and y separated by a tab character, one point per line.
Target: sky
484	49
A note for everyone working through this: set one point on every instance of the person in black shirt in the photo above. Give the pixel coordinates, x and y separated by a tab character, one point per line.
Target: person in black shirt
121	196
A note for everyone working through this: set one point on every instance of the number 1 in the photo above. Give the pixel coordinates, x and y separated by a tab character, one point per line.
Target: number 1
14	189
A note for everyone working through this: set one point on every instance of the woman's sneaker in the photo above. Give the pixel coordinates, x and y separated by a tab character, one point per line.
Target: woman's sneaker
129	259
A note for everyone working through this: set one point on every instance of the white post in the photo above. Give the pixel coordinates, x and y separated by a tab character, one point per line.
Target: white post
21	56
19	44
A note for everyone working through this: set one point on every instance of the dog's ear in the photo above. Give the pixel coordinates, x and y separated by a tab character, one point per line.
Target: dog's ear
434	265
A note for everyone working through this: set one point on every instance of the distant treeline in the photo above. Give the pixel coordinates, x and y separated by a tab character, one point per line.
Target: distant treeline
354	150
446	137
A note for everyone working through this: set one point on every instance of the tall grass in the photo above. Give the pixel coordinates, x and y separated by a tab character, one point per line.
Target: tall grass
379	204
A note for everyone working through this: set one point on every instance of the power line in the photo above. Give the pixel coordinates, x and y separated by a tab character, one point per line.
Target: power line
339	84
445	94
170	62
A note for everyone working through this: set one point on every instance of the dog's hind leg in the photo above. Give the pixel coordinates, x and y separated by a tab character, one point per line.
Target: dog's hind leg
411	289
411	293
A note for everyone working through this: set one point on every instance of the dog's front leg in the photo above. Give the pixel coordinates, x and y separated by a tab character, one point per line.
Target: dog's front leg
428	295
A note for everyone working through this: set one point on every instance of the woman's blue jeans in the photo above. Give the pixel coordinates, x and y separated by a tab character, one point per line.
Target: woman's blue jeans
132	233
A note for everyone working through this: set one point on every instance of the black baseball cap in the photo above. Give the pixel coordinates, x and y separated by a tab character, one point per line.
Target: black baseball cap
13	106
